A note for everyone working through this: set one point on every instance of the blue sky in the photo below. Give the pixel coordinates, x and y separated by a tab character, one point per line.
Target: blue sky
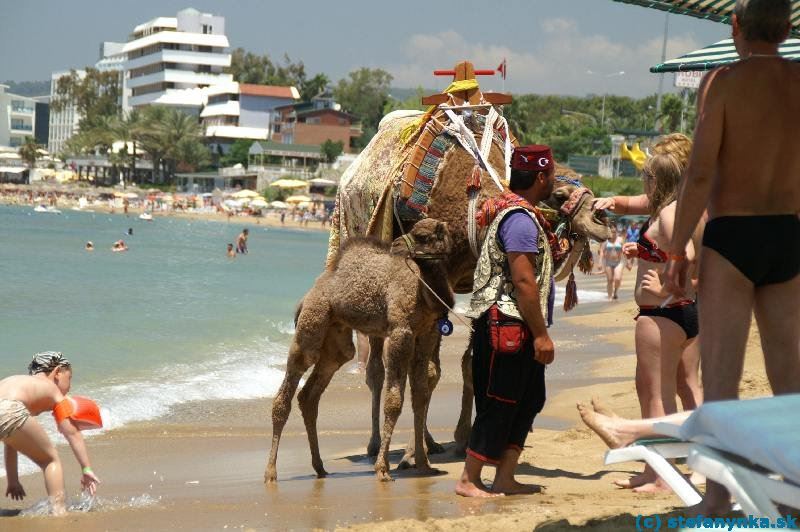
549	44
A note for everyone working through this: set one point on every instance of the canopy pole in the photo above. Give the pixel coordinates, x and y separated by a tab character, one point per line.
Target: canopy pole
661	76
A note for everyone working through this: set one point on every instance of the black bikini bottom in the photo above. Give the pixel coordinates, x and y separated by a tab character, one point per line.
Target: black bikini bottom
766	249
685	315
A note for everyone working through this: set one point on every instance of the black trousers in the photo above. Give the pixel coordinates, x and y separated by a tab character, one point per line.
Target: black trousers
509	392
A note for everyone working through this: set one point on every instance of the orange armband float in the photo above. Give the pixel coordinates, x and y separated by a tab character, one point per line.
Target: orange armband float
63	409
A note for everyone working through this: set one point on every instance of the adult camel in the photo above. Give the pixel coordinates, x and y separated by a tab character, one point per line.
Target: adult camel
370	202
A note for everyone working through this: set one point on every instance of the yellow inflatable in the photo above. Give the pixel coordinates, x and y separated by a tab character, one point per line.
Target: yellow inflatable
635	155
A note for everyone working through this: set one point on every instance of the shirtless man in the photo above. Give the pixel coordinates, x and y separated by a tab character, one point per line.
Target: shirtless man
745	169
241	241
23	397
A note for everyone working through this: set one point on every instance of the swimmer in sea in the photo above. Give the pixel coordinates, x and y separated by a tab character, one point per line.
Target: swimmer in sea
241	241
119	245
89	246
22	398
231	252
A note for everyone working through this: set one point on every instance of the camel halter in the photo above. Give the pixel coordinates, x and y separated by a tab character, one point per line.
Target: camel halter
411	244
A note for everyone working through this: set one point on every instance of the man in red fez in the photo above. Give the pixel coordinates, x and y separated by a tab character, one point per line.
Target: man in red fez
512	306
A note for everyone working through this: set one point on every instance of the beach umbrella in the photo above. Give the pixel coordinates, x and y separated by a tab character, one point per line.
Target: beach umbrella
289	183
259	203
716	10
320	182
244	194
720	53
278	205
298	199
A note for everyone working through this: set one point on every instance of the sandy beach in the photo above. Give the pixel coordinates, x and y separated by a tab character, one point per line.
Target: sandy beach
201	467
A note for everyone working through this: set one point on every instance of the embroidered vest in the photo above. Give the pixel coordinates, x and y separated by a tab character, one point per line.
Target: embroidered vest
492	281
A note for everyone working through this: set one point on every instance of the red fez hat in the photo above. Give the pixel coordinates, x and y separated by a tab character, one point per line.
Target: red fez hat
533	158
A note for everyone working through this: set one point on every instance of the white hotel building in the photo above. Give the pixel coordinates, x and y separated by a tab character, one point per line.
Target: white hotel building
171	59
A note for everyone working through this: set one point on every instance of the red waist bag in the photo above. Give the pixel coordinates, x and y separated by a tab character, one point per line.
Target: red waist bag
506	334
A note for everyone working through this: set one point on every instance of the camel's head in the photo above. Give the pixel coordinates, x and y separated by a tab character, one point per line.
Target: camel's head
574	200
429	239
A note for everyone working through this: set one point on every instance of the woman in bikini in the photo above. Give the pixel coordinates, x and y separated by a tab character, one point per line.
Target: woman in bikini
611	259
666	329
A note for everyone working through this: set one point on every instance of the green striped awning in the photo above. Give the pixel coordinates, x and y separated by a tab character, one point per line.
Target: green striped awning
718	54
716	10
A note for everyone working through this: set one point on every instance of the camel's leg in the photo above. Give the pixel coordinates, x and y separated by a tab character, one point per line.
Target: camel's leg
282	405
375	374
312	324
398	350
425	366
338	351
434	374
464	426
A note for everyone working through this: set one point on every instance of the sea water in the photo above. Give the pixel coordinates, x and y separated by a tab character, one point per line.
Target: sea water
171	320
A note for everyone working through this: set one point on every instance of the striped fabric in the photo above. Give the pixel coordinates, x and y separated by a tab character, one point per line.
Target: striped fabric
720	53
716	10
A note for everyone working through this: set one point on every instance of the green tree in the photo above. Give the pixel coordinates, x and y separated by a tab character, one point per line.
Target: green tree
412	102
365	93
29	151
311	87
238	154
95	94
331	150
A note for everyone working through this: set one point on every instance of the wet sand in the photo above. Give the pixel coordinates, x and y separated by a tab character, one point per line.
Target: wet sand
201	467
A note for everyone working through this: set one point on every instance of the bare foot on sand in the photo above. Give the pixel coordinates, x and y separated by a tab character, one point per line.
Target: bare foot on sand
653	487
515	488
604	426
465	488
636	481
601	408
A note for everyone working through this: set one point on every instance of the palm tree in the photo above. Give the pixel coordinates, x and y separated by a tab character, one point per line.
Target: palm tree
29	151
127	130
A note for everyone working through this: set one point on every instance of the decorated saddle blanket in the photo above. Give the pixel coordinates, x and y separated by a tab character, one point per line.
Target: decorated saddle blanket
394	176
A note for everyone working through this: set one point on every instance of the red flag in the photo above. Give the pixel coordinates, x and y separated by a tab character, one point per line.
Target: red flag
502	69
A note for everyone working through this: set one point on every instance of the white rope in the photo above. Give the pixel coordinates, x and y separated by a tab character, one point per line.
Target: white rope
448	307
472	224
465	137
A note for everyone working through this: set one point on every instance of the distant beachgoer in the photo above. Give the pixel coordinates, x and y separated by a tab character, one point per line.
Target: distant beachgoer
749	184
231	252
283	217
119	245
89	246
130	231
241	241
125	205
22	397
612	261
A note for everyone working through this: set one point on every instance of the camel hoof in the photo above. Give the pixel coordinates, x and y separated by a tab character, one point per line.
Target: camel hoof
435	448
384	476
373	448
322	473
271	476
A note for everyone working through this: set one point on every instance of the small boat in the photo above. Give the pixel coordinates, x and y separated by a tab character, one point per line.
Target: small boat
146	216
47	209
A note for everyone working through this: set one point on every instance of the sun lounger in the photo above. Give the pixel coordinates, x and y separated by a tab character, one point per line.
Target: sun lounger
657	452
752	447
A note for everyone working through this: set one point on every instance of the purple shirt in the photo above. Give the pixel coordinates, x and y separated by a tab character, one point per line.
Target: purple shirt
518	234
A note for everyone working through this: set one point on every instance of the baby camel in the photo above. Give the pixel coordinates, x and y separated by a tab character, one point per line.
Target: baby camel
374	288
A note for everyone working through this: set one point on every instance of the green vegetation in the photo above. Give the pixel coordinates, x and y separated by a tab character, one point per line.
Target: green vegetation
29	151
621	186
364	93
238	154
247	67
331	150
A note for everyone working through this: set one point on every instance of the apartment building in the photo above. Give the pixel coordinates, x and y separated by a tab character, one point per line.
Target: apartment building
17	118
314	122
242	111
171	59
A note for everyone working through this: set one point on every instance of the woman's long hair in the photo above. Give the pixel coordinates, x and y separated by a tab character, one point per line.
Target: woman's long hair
676	144
665	169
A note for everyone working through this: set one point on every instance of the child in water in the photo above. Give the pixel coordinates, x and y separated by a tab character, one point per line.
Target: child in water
22	397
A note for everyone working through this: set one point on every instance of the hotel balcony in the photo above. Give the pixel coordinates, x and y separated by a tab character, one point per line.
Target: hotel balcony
22	110
188	77
180	56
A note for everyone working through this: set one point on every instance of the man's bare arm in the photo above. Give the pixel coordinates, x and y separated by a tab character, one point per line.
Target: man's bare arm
695	187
